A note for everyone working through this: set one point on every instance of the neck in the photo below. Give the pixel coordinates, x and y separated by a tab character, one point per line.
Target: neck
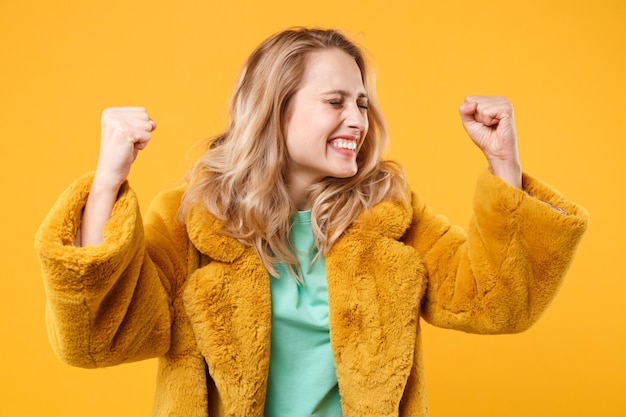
299	194
301	202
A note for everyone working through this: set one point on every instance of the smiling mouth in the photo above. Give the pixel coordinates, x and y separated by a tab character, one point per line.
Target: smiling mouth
344	144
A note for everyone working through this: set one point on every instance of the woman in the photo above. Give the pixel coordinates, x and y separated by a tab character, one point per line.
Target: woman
288	277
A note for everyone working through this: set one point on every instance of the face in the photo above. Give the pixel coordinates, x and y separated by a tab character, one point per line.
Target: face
326	120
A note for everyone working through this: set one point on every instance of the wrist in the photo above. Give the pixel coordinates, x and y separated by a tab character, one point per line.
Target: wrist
104	184
509	171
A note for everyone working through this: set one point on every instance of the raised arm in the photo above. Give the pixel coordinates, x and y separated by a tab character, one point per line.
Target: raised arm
125	131
500	274
109	286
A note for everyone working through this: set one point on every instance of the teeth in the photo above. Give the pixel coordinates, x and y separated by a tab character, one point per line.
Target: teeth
344	144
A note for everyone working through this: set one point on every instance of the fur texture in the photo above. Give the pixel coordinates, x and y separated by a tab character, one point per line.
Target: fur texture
200	301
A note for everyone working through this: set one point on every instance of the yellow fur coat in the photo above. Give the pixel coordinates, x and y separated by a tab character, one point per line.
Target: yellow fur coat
200	301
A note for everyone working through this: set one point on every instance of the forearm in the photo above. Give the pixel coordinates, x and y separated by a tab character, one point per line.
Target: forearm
97	212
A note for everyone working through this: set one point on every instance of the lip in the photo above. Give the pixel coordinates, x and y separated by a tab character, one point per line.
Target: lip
347	137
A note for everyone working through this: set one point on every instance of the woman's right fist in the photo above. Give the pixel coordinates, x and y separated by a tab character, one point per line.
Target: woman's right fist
125	131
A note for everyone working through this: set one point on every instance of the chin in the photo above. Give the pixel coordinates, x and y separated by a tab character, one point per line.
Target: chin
347	173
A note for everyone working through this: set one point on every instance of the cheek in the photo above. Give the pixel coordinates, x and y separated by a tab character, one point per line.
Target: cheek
296	141
307	132
293	137
295	124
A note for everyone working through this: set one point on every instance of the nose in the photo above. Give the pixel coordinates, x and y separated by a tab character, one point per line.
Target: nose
356	118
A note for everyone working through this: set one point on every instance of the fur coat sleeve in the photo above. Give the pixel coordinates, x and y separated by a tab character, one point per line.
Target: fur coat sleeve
500	275
144	293
109	303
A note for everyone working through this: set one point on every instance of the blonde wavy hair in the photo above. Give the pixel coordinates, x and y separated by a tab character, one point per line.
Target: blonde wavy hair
241	177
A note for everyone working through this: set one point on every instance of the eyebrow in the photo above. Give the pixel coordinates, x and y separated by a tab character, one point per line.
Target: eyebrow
344	93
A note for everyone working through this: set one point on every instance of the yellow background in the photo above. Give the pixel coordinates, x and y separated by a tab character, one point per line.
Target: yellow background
562	63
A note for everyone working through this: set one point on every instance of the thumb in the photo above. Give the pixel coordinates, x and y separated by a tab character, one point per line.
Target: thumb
468	110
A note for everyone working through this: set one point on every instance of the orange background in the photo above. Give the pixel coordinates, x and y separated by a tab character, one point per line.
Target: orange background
562	63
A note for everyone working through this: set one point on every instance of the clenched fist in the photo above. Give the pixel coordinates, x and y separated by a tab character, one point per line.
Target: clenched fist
490	124
125	131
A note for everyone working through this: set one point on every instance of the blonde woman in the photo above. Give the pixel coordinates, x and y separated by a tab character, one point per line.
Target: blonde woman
289	275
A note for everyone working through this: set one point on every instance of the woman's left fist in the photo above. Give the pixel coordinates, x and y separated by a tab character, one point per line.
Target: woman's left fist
490	124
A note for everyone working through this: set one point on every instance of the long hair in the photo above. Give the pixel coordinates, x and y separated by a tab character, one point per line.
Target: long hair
241	177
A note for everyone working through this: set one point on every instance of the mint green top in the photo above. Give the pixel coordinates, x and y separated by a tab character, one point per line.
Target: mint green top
302	380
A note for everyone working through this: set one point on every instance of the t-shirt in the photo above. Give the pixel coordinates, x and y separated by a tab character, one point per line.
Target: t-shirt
302	379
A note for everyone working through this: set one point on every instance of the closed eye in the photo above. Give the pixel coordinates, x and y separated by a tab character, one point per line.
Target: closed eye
363	106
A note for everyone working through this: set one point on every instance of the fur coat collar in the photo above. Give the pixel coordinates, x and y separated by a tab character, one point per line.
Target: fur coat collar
375	284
